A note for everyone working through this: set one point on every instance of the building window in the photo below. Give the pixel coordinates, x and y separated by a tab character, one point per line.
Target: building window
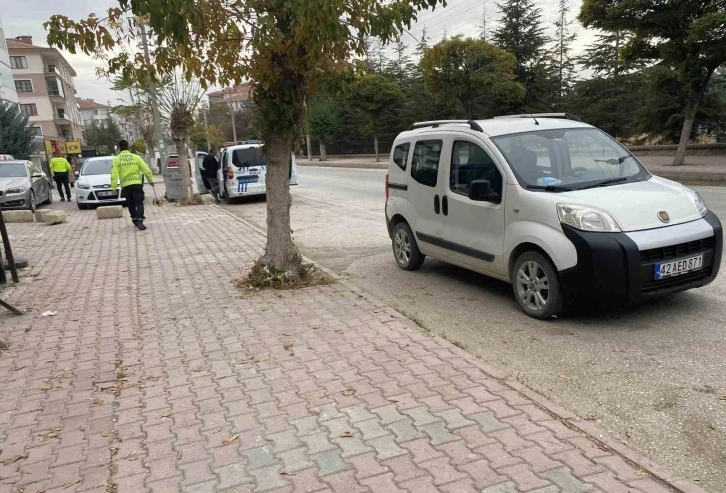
18	62
37	130
54	88
51	68
95	112
24	86
29	109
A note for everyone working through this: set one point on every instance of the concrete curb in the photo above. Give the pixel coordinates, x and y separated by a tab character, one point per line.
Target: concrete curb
572	421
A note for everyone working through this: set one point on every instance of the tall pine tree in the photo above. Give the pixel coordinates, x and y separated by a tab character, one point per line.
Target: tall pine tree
484	24
604	56
522	33
16	138
562	56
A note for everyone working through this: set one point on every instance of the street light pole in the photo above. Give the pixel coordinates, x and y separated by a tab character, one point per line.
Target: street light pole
154	102
206	128
234	126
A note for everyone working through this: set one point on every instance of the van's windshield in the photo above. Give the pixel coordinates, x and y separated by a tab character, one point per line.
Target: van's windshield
569	159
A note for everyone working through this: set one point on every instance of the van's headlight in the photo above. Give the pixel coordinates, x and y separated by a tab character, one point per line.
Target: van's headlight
586	218
84	186
697	201
15	190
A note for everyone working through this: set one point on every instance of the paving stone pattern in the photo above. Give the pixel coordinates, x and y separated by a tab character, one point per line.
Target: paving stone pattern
157	376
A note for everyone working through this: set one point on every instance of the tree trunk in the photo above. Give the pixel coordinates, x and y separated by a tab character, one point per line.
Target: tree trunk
181	150
323	154
694	98
309	147
280	252
375	146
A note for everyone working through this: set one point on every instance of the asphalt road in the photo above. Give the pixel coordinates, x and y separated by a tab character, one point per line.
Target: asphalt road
653	376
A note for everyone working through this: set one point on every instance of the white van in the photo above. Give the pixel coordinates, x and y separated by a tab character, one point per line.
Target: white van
550	204
243	169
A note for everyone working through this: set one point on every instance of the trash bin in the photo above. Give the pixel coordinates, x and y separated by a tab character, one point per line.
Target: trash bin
173	183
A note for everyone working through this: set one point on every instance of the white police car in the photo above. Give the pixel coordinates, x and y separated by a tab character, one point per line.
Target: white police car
243	169
550	204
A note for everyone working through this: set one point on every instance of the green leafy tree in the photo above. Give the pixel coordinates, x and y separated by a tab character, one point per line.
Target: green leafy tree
688	35
664	98
377	98
139	146
521	32
474	73
285	48
105	135
323	122
608	103
16	138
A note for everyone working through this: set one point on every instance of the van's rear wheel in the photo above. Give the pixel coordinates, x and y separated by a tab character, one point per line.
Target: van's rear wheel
405	249
537	286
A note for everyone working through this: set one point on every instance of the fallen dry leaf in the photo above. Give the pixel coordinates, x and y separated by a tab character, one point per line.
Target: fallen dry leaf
347	434
603	447
315	412
18	368
68	485
49	434
179	455
348	392
229	440
168	415
591	417
285	473
199	368
97	401
723	397
641	472
14	459
105	433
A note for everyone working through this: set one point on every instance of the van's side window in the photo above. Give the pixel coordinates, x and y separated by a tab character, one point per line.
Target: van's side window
425	162
470	162
400	155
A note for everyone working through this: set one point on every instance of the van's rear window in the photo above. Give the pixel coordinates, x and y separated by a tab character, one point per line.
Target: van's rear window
247	158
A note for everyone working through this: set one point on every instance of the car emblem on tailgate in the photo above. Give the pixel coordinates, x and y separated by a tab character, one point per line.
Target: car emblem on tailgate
664	217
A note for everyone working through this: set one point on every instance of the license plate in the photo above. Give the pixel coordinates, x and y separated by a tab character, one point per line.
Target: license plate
678	267
106	194
247	179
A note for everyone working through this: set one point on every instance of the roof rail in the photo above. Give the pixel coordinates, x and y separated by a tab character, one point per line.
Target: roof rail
564	116
437	123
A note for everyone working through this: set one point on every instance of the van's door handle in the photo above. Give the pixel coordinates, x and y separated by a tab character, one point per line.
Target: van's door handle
437	206
445	205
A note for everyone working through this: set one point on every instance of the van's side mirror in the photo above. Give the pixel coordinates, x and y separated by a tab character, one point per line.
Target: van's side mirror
36	175
481	191
76	173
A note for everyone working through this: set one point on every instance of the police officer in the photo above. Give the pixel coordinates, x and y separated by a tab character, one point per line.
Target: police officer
127	169
60	170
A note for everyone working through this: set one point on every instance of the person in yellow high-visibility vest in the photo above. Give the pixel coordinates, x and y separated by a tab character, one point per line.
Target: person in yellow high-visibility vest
127	169
61	170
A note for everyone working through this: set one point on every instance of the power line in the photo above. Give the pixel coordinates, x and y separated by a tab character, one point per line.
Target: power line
450	14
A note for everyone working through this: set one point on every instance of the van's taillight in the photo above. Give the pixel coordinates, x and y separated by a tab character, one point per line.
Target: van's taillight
386	187
230	175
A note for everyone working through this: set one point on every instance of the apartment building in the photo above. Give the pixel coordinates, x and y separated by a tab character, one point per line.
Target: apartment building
92	111
44	82
237	97
7	85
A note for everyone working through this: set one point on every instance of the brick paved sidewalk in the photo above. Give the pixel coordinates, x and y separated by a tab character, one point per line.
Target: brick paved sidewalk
157	376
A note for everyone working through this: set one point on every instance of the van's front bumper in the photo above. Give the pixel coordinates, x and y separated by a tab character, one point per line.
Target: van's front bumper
618	269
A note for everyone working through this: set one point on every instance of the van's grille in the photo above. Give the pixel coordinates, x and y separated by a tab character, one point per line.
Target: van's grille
680	250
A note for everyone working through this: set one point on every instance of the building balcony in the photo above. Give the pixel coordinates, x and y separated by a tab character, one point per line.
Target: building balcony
61	118
56	96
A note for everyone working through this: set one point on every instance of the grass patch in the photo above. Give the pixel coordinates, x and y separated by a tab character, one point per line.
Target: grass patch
195	199
265	277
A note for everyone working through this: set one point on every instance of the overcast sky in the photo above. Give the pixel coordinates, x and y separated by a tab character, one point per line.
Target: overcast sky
459	17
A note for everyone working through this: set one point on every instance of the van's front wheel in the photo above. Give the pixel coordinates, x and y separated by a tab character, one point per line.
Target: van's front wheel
405	249
537	286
